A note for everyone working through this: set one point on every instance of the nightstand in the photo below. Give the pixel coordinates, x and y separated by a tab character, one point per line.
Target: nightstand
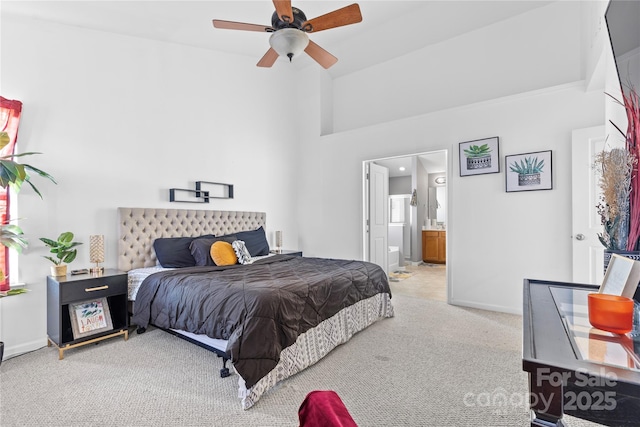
69	291
286	252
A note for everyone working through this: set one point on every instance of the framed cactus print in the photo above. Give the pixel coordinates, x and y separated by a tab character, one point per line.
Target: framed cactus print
528	172
479	157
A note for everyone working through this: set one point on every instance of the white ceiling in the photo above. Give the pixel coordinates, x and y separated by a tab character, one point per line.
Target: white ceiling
389	28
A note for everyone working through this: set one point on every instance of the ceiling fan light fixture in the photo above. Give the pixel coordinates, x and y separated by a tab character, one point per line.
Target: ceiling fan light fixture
289	42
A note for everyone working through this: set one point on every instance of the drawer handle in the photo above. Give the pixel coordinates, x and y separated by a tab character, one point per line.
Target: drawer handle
97	288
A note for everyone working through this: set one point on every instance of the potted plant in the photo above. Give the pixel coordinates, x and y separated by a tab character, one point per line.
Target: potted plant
619	206
64	251
528	170
478	156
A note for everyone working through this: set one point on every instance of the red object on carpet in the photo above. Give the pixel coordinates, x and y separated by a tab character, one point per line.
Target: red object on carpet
324	409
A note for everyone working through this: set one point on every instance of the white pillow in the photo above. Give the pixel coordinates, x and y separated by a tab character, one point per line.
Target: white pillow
244	257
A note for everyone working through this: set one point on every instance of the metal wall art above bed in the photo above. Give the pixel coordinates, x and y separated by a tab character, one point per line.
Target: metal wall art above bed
271	318
216	190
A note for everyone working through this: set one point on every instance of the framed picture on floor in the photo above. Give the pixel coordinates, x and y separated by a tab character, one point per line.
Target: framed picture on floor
479	157
528	172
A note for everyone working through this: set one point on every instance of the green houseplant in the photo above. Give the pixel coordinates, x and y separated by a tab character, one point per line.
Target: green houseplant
14	175
12	237
64	249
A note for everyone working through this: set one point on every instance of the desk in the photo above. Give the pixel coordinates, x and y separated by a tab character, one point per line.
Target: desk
573	368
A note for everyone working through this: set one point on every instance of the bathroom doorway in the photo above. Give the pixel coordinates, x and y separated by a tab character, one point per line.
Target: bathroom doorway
417	207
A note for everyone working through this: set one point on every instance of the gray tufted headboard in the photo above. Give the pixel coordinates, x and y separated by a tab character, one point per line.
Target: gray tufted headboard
139	227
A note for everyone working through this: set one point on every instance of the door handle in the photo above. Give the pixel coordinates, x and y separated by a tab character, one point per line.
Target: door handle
580	236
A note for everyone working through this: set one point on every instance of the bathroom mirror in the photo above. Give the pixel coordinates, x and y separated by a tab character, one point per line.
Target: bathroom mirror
441	205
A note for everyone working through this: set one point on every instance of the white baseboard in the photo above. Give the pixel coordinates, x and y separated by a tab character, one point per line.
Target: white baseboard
17	350
489	307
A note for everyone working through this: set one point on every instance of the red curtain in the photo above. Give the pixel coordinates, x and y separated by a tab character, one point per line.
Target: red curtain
9	119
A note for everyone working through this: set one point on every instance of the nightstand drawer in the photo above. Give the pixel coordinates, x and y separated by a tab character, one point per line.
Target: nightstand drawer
92	287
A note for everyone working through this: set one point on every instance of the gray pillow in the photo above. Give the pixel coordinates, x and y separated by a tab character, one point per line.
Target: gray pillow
174	251
255	241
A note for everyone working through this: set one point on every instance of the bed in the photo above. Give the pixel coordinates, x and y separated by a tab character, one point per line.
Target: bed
272	317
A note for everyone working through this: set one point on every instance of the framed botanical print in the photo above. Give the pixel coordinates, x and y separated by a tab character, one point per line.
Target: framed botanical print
480	156
528	172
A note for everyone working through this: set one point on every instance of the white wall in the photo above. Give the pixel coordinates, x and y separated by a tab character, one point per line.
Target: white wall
534	50
400	185
119	121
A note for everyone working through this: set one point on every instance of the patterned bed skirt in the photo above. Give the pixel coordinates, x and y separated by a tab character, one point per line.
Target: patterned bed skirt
316	343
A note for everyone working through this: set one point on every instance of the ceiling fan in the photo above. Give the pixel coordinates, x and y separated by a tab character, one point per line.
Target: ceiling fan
289	28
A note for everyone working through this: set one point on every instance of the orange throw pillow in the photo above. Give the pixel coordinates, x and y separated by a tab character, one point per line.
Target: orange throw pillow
222	253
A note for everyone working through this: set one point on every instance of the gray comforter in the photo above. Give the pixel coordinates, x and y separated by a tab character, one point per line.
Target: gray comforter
259	308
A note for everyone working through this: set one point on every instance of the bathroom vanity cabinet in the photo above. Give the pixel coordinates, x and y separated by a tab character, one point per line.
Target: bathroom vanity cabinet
434	246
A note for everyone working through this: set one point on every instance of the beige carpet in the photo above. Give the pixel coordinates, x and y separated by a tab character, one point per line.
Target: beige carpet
431	365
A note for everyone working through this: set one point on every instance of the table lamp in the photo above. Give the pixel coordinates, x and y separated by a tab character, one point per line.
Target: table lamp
278	241
96	253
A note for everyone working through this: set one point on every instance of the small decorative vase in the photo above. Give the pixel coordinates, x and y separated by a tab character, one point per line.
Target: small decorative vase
59	270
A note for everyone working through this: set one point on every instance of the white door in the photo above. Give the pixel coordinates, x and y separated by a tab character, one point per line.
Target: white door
378	180
587	249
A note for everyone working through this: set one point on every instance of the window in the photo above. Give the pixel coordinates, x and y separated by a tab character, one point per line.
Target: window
9	120
398	208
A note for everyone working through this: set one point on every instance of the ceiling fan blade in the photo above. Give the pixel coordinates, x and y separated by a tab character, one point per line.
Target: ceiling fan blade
230	25
339	17
320	55
283	9
268	59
